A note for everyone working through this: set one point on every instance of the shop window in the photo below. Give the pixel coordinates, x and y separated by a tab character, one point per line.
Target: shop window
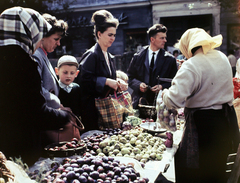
135	39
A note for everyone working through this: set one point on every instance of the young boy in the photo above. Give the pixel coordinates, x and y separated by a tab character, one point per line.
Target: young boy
69	94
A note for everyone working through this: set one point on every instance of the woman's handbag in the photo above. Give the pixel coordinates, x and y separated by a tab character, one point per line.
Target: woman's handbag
69	131
112	109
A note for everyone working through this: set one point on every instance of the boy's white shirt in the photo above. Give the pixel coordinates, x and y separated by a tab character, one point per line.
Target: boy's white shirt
67	88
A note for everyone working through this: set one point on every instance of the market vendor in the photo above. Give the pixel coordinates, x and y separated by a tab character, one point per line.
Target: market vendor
23	110
203	85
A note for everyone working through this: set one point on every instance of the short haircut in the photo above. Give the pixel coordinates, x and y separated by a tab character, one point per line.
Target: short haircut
57	25
156	28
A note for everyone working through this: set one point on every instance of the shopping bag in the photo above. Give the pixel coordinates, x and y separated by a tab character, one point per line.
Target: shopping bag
111	109
236	88
69	131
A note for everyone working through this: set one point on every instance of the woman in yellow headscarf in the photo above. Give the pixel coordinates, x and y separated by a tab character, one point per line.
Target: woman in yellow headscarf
203	85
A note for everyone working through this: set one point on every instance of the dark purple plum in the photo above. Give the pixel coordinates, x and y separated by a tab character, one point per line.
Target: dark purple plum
98	163
137	174
146	179
64	174
87	160
110	174
128	170
100	181
73	161
94	174
58	180
78	170
141	180
82	179
75	181
122	167
117	170
127	174
124	177
71	175
102	176
74	165
106	166
91	180
100	169
105	159
133	176
87	169
108	178
80	161
60	169
66	165
85	174
69	168
110	158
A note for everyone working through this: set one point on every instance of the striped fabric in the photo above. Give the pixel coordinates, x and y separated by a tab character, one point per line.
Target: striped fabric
22	26
112	108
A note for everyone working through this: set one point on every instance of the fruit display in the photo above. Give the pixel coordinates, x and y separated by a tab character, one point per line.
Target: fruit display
133	143
65	148
166	117
91	169
92	142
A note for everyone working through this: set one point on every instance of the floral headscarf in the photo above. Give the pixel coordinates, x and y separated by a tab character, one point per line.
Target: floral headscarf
22	26
198	37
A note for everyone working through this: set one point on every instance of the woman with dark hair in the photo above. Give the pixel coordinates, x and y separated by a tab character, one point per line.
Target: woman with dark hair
97	75
23	108
49	43
203	85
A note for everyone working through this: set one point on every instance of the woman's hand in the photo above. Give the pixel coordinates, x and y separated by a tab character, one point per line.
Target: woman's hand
112	83
123	86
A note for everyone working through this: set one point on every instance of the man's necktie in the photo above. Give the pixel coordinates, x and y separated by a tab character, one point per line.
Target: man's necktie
151	69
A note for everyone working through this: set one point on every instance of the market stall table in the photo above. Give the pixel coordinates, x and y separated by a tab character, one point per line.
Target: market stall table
153	169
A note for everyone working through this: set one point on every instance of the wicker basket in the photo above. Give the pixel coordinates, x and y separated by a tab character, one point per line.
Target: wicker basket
147	111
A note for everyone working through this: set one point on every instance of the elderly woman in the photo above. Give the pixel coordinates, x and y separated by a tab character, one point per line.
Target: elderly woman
49	43
23	108
203	85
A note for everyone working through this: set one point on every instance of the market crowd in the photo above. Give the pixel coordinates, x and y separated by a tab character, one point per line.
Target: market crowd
36	98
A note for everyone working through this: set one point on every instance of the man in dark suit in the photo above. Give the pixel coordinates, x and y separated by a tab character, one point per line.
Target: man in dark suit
150	62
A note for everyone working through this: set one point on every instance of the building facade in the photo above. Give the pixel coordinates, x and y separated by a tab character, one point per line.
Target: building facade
136	16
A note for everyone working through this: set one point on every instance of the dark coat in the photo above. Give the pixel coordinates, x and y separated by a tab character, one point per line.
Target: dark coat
23	109
138	72
72	99
92	78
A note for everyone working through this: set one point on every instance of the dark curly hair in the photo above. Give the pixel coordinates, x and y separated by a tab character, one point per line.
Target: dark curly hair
57	25
102	20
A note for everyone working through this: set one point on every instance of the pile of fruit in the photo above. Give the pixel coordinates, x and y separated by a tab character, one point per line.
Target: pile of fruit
63	149
91	169
74	143
133	143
